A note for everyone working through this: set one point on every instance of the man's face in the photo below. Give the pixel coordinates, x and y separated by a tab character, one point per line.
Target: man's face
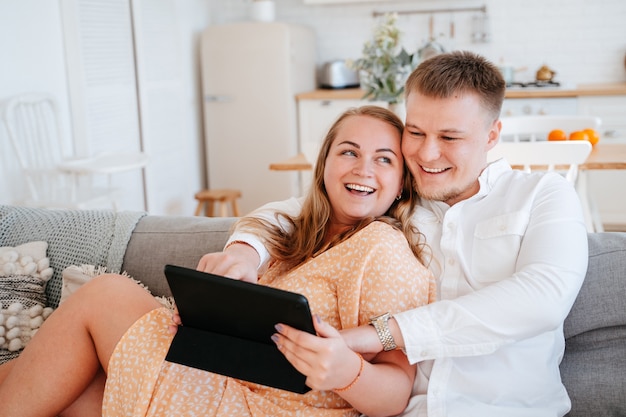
445	145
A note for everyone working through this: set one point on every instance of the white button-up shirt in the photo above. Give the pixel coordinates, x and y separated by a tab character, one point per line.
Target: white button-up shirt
510	261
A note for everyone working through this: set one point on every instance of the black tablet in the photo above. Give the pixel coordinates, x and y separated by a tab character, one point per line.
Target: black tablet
228	324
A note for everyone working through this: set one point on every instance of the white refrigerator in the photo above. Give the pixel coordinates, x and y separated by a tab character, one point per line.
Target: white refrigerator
251	73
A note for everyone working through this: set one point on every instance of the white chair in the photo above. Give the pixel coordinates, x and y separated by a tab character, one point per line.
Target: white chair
53	178
523	144
535	128
559	156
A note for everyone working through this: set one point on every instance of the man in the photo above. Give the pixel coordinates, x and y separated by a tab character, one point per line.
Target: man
509	250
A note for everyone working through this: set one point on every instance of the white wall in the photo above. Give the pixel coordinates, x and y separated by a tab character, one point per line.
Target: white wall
32	58
584	41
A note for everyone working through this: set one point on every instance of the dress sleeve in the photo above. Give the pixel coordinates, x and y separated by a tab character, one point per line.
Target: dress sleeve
391	278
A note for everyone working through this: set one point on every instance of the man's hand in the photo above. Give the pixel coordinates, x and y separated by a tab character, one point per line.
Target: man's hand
238	261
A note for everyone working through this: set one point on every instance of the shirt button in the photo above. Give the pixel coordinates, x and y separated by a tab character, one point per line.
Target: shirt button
451	262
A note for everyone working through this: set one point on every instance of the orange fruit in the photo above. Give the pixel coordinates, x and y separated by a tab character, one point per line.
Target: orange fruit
578	135
592	135
557	134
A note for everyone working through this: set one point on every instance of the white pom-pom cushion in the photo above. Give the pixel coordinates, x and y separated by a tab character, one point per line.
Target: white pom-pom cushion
24	271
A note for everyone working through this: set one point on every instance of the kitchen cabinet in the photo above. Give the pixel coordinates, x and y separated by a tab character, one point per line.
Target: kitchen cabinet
538	106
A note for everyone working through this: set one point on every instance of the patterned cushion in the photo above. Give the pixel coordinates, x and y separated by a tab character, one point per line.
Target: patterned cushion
24	271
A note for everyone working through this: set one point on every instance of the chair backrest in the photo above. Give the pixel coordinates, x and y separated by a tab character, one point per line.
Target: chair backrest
523	142
550	156
34	131
532	128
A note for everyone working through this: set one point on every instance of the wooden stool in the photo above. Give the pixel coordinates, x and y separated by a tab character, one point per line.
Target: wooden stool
208	198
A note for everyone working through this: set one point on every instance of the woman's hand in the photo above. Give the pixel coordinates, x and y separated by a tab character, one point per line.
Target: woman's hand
326	360
175	321
238	261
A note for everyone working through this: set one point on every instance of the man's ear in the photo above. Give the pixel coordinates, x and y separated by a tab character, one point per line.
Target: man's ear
494	134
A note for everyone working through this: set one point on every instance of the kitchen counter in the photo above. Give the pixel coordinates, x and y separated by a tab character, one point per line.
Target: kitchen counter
600	89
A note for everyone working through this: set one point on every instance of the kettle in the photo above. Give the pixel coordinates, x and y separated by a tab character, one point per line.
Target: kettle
545	73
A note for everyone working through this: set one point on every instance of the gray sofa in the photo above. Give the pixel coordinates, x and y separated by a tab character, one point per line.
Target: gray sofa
594	365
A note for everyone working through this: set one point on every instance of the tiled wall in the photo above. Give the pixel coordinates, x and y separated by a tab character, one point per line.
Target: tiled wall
583	41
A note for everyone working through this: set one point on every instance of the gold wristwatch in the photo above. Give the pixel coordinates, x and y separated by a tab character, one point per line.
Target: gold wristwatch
381	325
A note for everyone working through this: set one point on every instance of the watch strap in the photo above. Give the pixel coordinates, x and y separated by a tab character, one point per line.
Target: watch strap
381	325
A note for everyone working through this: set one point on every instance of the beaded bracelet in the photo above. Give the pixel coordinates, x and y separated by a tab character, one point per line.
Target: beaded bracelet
356	378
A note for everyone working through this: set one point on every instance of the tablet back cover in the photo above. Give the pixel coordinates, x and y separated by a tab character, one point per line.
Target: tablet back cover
228	324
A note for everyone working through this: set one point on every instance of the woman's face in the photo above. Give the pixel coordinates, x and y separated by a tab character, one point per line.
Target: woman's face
363	171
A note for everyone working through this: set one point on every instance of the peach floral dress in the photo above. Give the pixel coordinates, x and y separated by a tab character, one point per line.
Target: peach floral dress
371	273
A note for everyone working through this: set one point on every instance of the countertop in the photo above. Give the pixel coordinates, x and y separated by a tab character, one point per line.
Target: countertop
599	89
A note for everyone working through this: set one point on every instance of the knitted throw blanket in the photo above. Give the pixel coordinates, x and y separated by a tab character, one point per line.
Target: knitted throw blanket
75	237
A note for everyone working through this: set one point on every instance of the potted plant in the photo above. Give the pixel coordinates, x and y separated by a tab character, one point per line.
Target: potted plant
385	65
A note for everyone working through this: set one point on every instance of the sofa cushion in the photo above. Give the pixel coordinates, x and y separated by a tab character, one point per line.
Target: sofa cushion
594	366
602	298
24	271
177	240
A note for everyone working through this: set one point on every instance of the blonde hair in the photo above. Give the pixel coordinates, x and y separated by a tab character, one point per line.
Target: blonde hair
305	239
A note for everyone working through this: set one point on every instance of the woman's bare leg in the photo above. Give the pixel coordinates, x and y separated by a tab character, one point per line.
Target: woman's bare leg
89	404
72	345
5	368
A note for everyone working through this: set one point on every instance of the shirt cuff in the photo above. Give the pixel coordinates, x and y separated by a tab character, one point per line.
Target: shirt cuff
253	241
418	333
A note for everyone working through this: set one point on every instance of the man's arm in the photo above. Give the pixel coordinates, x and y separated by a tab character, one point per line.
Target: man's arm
522	290
548	272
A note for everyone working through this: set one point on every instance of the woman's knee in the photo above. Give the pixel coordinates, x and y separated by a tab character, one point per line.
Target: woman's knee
114	291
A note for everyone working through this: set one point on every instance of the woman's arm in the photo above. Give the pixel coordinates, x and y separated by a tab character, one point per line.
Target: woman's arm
378	388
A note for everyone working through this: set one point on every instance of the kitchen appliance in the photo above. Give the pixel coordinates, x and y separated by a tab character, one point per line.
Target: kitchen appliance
545	74
251	73
337	74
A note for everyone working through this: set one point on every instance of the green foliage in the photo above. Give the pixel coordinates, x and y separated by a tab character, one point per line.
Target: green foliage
385	65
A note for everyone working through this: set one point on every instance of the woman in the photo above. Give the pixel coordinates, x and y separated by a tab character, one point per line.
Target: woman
348	255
